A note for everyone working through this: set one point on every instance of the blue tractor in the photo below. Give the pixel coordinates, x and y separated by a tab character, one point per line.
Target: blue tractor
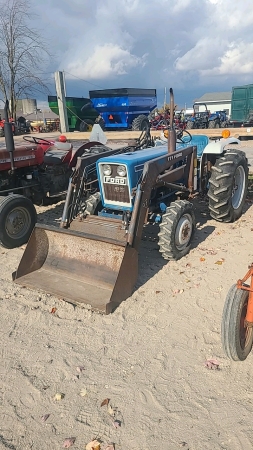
124	108
93	257
218	119
199	119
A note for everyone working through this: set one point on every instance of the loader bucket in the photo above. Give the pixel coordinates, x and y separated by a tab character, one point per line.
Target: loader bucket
79	267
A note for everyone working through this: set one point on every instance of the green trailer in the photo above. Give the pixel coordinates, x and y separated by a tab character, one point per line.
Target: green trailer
242	105
81	113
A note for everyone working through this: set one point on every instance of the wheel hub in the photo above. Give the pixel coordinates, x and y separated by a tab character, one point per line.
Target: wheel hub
183	231
17	222
238	187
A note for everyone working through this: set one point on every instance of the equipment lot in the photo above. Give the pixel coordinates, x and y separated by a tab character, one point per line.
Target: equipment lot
148	357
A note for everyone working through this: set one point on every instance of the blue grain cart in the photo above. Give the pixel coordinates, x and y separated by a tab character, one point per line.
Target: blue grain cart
124	108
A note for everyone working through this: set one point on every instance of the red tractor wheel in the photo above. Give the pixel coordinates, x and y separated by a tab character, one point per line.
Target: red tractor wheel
17	219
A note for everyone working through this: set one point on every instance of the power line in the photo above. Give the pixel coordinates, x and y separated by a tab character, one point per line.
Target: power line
82	79
72	75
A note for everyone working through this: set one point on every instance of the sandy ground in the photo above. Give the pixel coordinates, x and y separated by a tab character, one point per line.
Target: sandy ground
148	357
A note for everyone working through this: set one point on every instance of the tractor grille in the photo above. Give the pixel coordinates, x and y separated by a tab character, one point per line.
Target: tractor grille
116	193
116	189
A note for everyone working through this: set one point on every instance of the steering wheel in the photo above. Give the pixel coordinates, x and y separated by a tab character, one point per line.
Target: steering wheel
183	136
35	140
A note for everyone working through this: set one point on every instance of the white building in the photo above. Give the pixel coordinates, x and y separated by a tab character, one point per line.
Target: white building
215	101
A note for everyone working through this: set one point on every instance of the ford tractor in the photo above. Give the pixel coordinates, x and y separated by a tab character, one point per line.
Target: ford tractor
93	257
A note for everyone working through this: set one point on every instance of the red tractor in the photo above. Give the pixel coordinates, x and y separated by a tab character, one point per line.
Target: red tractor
30	172
34	171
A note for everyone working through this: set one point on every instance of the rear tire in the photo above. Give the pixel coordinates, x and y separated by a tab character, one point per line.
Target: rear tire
140	123
228	186
86	125
236	339
176	230
17	220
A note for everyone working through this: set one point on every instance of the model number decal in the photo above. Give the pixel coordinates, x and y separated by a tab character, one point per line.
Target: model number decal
170	158
18	158
114	180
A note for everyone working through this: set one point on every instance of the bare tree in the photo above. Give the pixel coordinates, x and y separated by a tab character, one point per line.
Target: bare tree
22	53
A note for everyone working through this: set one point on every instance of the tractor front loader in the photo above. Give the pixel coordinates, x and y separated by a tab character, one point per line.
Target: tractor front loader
95	260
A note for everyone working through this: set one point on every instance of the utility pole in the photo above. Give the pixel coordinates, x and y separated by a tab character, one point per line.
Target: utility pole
64	84
59	83
165	99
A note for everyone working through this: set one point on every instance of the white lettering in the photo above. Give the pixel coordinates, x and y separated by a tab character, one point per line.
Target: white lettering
178	155
118	180
18	158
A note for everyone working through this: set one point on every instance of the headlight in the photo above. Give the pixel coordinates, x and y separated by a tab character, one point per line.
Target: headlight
121	171
107	169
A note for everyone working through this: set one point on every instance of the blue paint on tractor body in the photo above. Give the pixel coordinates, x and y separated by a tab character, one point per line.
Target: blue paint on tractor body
134	162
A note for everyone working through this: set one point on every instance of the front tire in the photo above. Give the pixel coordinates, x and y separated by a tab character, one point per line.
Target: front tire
237	339
228	186
17	220
189	125
211	124
93	204
176	230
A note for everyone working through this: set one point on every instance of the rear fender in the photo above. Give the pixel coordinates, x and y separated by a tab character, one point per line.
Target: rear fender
217	147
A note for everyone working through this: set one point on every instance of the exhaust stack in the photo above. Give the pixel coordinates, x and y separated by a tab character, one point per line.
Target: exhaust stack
172	133
9	135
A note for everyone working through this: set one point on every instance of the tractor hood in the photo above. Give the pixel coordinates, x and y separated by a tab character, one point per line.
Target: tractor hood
133	161
133	164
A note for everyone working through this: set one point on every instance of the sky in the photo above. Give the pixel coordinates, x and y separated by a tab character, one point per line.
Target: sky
193	46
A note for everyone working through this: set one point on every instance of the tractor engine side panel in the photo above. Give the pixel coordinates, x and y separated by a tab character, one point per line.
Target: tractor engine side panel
23	178
24	156
54	179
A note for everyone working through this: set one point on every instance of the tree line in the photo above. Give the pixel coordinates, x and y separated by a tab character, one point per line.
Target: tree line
22	53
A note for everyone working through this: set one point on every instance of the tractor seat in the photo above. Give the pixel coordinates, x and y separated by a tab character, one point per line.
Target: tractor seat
200	141
55	157
61	146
